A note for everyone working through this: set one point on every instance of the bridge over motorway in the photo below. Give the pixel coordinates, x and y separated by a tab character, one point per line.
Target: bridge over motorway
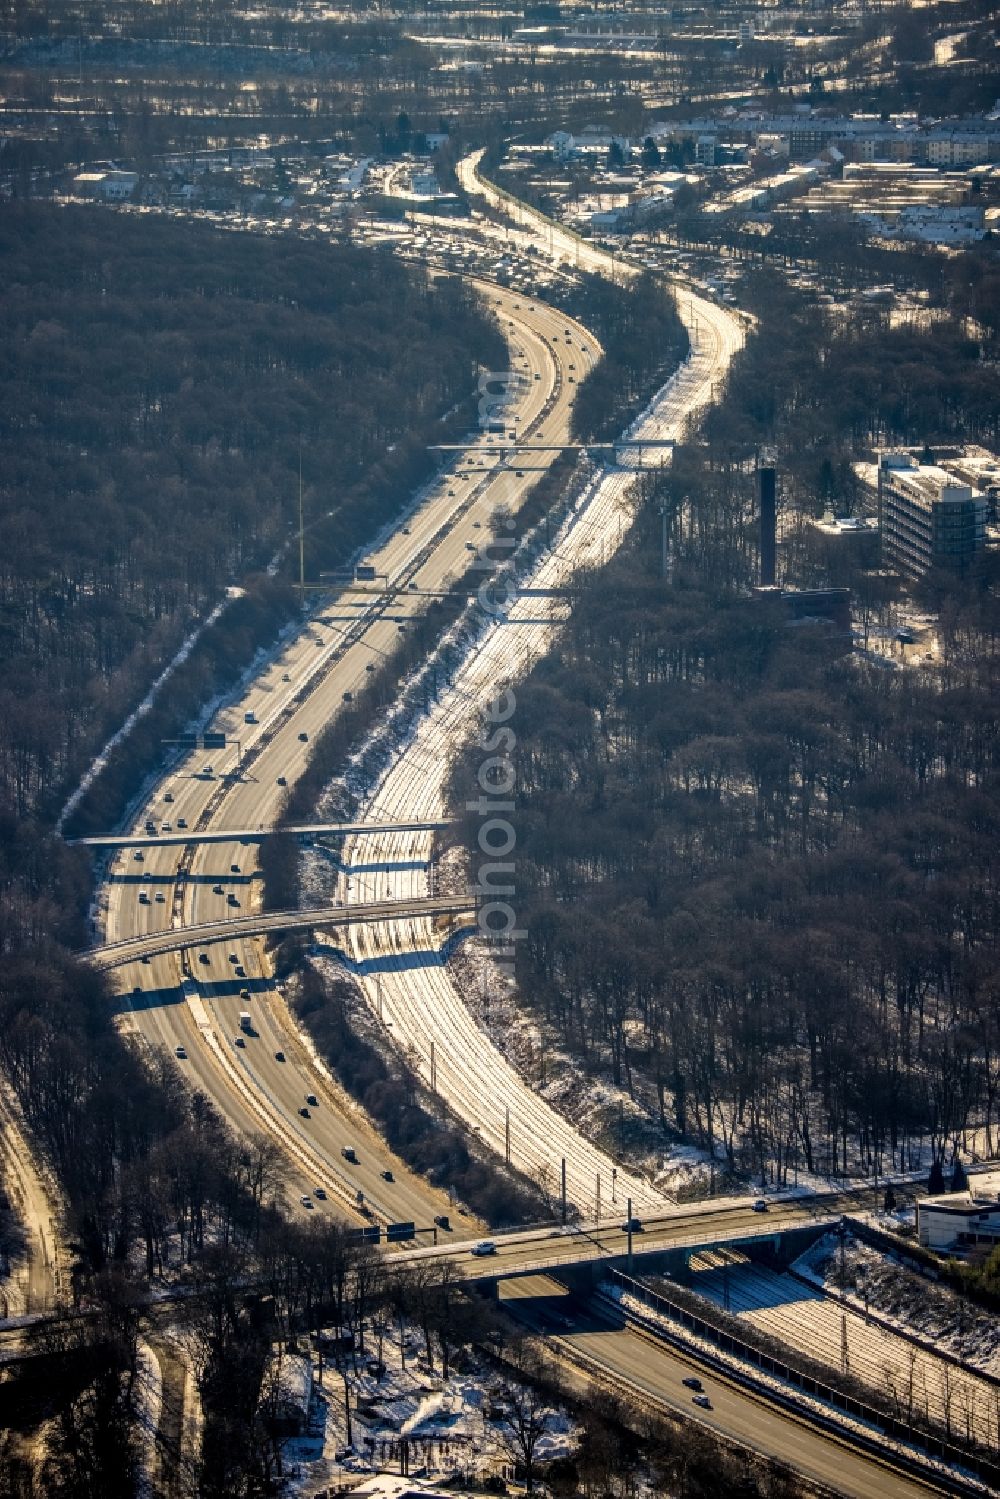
587	1249
185	836
579	1247
175	939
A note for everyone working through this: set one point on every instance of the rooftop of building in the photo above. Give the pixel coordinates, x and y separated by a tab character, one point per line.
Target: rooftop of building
926	484
961	1204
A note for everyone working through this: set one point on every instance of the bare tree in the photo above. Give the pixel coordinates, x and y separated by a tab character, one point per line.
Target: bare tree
525	1419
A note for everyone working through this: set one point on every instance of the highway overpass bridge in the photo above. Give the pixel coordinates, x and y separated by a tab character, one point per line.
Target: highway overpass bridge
185	836
581	1254
175	939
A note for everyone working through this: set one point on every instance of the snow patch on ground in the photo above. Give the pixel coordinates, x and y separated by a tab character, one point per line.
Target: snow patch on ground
450	1427
880	1282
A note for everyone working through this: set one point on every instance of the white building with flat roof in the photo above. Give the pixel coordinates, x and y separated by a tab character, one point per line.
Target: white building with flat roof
960	1222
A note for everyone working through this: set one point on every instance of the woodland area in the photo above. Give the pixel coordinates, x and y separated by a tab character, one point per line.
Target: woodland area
643	340
758	874
158	381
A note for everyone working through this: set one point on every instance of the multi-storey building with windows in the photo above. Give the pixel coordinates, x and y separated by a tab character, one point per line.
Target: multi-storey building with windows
927	518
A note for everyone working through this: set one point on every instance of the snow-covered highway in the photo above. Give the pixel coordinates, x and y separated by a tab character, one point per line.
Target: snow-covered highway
414	986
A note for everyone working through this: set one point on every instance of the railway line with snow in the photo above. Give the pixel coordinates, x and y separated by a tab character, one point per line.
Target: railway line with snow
400	969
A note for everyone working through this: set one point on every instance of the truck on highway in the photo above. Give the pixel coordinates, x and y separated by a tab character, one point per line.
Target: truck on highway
246	1022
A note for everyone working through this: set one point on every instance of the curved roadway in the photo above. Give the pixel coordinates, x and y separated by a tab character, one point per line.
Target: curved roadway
192	1000
399	967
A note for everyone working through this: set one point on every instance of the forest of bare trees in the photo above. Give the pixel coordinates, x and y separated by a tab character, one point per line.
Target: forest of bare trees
758	874
159	382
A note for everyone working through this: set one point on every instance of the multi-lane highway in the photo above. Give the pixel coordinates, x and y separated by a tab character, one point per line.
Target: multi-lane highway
422	1002
188	1002
188	999
591	1342
266	1079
